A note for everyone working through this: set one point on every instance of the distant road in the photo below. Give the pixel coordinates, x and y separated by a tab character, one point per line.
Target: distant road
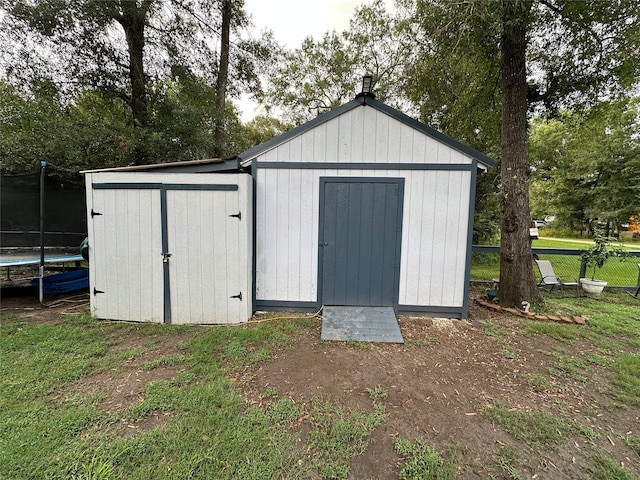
626	246
586	242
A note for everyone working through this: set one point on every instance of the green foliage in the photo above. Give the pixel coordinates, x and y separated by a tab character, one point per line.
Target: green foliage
587	165
535	427
323	74
338	435
634	442
597	255
100	54
421	462
604	467
539	383
376	393
96	470
507	460
166	361
627	380
283	411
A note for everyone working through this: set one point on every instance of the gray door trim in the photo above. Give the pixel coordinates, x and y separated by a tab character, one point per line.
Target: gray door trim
166	278
396	268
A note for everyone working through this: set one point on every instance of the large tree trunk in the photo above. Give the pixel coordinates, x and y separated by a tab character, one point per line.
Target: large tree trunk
517	279
223	76
133	19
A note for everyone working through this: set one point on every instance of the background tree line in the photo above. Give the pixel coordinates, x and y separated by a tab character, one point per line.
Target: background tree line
102	83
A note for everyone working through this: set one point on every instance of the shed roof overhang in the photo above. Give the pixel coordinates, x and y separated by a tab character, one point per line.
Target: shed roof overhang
483	161
212	165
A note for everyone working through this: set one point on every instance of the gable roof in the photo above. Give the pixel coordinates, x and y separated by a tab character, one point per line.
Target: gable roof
364	100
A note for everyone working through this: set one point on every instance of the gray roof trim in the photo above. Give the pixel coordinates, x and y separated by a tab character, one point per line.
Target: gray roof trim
362	101
366	166
441	137
191	166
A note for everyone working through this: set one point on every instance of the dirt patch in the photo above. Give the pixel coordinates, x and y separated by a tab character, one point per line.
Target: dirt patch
438	386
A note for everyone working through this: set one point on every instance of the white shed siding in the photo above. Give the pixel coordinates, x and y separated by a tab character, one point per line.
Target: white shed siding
436	208
364	135
122	250
210	251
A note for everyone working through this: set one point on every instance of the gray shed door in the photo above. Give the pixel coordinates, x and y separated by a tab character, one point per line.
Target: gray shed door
361	225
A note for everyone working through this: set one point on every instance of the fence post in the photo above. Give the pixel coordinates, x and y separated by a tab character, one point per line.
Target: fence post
583	269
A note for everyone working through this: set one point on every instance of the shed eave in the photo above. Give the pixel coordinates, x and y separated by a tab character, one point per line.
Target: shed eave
195	166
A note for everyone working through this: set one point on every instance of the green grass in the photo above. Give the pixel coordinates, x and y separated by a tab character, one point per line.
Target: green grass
486	266
508	461
536	427
626	382
50	428
422	462
634	442
539	383
605	468
337	435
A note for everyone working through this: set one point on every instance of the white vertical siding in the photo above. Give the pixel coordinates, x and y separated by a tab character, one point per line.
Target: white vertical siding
364	135
435	222
435	218
210	251
205	243
123	253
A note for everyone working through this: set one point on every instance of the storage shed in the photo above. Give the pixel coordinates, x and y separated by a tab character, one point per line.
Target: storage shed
364	206
171	243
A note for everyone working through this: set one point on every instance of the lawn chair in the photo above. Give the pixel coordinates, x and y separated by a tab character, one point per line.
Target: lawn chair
548	277
635	295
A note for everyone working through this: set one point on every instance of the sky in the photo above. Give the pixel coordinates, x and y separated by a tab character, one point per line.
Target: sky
293	20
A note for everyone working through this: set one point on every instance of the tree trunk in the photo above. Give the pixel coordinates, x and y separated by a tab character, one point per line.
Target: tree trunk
223	76
133	20
517	279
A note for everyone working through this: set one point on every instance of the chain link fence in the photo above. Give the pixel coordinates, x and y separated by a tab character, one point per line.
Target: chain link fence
617	272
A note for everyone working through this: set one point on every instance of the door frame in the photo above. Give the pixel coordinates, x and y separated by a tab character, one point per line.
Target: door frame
399	181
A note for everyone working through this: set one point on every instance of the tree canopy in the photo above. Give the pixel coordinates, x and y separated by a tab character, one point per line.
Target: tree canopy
587	165
323	74
103	82
534	56
134	51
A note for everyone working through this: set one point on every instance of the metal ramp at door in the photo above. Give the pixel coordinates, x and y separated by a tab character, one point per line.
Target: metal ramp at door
362	324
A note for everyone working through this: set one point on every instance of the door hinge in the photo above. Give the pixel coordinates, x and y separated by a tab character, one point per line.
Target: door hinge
93	213
238	296
237	215
96	291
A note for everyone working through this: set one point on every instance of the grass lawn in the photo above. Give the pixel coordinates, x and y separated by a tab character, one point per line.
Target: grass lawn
616	272
88	399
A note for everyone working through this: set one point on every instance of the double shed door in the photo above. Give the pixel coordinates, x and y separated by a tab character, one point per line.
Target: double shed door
169	253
